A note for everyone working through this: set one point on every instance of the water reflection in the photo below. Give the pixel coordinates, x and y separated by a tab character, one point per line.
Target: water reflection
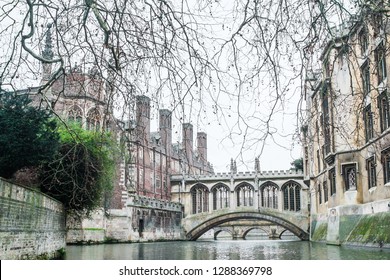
224	250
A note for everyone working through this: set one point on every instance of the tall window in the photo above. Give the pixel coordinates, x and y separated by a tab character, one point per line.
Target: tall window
380	60
371	172
200	199
363	41
368	123
319	194
93	119
220	196
365	71
269	195
386	165
349	175
325	119
75	114
326	193
332	181
291	196
383	104
244	195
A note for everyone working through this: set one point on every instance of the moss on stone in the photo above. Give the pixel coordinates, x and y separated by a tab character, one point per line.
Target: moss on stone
320	231
373	228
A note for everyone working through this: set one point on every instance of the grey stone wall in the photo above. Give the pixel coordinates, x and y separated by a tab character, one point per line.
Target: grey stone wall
32	225
364	225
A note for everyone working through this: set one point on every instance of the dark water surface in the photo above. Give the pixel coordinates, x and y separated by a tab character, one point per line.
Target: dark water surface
224	249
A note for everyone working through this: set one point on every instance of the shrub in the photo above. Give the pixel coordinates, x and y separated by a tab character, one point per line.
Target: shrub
82	171
28	136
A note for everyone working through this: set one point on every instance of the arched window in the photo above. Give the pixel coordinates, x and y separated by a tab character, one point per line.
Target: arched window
269	195
93	119
221	196
291	196
200	199
75	114
244	193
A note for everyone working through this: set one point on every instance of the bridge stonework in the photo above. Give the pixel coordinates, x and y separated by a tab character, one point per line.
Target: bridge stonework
279	198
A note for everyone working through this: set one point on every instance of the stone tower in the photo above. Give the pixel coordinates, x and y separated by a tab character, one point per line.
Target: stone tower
188	141
166	130
201	139
143	119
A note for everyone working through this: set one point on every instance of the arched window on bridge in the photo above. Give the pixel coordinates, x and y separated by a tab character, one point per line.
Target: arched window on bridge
244	193
291	196
221	196
269	195
200	199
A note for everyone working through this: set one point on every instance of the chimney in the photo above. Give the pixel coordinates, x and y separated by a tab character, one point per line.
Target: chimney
143	119
201	139
166	130
188	141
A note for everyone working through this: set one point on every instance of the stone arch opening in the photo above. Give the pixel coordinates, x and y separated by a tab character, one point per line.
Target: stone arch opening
200	198
262	229
75	114
245	194
216	233
93	119
269	192
221	196
291	196
200	229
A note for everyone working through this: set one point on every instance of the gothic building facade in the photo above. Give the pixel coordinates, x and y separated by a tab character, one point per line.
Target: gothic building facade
347	134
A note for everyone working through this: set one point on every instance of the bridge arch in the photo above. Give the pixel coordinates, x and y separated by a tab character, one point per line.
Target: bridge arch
216	233
200	229
246	232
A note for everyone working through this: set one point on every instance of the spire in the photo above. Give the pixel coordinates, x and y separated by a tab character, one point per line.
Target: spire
48	50
257	164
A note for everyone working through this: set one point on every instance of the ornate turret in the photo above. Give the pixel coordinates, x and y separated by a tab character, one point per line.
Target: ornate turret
47	54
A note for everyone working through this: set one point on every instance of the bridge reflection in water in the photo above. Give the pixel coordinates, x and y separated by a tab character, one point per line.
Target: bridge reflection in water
237	203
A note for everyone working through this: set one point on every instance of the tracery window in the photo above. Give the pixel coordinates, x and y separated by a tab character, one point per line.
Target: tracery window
221	196
200	199
93	119
291	196
269	195
75	115
245	195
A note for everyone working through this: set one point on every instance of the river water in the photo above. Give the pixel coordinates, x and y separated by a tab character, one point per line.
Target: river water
224	249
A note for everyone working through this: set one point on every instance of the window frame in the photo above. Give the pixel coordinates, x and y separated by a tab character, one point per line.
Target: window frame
347	170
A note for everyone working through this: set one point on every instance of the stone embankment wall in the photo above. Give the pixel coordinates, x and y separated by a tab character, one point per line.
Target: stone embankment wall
367	225
142	219
32	225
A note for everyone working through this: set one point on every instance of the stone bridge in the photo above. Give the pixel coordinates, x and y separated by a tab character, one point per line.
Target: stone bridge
211	201
198	224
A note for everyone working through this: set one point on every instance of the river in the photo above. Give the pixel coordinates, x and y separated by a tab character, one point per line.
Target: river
224	249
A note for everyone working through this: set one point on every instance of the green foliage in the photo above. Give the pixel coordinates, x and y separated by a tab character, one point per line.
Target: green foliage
83	170
297	164
28	135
